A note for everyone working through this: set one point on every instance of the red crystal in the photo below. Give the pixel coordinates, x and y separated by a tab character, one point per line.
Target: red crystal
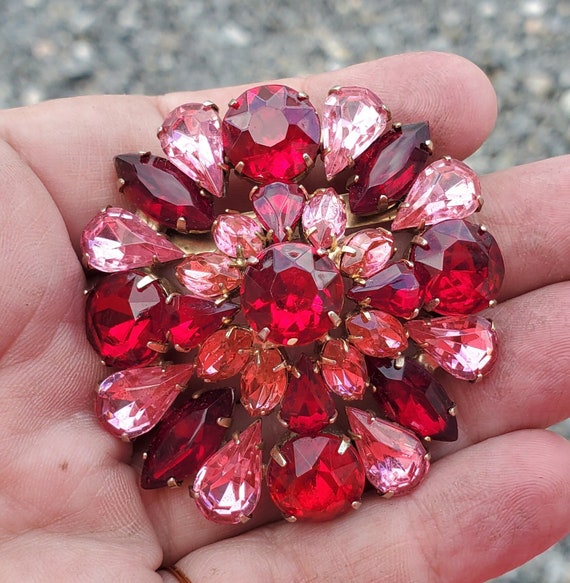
224	354
394	459
194	319
376	333
289	295
307	404
370	251
464	346
131	402
228	486
117	240
324	218
395	289
268	131
344	369
263	382
208	275
185	438
321	478
164	193
389	167
278	207
237	235
122	319
412	397
460	267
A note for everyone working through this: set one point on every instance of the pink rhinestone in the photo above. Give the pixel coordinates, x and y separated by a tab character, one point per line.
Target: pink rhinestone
446	189
371	250
344	369
324	218
377	333
353	118
234	231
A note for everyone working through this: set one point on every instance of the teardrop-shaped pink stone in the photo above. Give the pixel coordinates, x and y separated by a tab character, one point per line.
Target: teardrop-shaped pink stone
353	117
228	486
446	189
324	218
464	346
344	369
116	240
131	402
394	459
191	138
237	235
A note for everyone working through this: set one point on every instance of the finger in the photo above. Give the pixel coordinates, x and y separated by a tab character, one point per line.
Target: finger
70	143
527	211
480	513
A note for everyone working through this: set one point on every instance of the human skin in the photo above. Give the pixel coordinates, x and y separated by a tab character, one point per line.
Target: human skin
70	505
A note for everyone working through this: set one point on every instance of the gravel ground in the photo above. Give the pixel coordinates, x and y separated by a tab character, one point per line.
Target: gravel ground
65	47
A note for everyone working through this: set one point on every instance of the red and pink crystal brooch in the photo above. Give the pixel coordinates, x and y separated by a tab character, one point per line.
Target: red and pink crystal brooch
302	306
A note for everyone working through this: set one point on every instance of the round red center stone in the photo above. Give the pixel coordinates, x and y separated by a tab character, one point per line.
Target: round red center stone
290	295
320	480
271	129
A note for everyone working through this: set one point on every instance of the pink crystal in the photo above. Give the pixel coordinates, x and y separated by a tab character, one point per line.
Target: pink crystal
116	240
278	206
370	250
464	346
353	118
324	218
228	486
235	232
394	459
191	138
131	402
446	189
344	369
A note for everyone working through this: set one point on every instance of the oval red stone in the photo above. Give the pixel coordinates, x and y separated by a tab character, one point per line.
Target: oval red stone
287	297
460	267
413	397
122	319
322	477
270	129
163	192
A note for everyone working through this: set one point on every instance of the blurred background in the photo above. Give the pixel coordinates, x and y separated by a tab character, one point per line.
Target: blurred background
55	48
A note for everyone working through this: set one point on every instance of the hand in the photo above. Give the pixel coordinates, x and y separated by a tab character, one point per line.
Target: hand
70	505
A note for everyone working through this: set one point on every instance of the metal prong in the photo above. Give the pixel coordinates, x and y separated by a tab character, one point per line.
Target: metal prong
335	319
263	334
239	167
356	504
419	240
308	160
172	483
158	346
181	225
344	445
224	421
278	456
290	518
146	281
452	410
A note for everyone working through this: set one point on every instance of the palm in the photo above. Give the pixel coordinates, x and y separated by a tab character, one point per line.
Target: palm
71	508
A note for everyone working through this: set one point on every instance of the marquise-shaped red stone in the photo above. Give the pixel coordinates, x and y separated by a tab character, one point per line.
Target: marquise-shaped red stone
186	437
411	396
164	193
389	167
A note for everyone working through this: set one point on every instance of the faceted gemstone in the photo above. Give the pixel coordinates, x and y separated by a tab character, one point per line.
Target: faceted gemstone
353	117
394	289
194	319
344	369
394	458
117	240
224	354
324	218
464	346
263	382
208	275
446	189
322	476
269	131
388	168
228	486
412	397
164	193
191	137
237	235
122	319
370	250
376	333
278	207
131	402
460	267
288	297
186	438
307	404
